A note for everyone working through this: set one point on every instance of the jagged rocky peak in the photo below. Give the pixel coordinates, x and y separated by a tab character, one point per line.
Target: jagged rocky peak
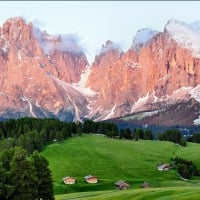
12	28
16	35
110	53
142	37
15	21
174	26
33	83
186	35
110	46
50	43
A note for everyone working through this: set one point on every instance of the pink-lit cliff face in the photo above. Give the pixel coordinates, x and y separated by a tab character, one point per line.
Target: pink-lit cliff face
29	76
161	69
48	76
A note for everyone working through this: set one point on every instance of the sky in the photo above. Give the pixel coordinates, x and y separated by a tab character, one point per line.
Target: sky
95	22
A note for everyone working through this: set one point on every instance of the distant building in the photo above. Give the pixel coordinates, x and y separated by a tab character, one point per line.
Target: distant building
122	185
91	179
163	167
69	180
146	185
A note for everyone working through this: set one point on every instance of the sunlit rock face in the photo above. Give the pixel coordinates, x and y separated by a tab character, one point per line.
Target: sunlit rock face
160	68
49	76
35	71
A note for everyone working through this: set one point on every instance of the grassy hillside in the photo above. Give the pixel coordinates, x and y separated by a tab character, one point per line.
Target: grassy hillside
112	160
171	193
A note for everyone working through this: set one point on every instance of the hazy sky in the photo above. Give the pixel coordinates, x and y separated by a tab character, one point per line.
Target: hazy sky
97	21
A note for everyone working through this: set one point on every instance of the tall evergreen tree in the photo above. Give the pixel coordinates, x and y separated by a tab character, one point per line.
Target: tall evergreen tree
45	184
23	176
148	135
79	128
127	133
183	141
73	128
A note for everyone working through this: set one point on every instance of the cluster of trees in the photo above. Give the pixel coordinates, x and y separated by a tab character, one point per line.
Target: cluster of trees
195	138
136	134
111	130
105	128
33	134
172	135
24	176
185	168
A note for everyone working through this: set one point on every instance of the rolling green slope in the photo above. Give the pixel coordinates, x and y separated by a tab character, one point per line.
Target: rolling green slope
112	160
171	193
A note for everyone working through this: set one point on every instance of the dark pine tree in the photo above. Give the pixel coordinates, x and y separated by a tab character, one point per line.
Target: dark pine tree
45	184
23	176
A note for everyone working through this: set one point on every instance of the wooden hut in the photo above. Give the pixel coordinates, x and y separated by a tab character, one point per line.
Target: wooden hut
69	180
163	167
122	185
146	185
91	179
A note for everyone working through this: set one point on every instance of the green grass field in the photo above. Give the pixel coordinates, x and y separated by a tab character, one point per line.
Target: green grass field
171	193
112	160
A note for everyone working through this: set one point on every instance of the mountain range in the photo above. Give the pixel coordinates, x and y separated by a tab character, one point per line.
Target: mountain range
156	81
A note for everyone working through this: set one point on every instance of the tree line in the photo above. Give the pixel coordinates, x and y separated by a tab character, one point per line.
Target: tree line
33	134
194	138
111	130
173	135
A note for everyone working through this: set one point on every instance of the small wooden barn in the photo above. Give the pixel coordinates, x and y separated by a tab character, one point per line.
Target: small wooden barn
146	185
69	180
91	179
122	185
163	167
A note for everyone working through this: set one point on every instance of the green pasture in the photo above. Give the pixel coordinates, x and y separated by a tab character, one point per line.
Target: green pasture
112	160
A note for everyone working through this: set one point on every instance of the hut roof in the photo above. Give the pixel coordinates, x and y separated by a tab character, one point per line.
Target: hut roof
67	177
88	176
146	185
118	183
